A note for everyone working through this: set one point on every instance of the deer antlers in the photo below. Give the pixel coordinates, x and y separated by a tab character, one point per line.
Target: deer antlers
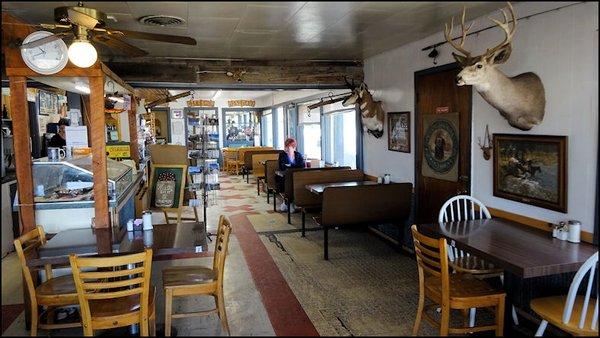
509	31
506	27
448	32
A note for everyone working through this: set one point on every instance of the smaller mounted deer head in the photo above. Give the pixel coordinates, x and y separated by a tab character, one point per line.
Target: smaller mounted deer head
486	147
520	99
371	111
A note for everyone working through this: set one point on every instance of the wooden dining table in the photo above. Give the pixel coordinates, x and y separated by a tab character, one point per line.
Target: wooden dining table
163	239
318	188
530	257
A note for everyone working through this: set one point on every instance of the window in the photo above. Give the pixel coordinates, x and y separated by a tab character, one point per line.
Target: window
309	132
312	140
239	128
340	134
280	129
267	128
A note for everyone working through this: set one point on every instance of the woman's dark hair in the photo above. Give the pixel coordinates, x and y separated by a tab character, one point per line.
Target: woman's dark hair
64	122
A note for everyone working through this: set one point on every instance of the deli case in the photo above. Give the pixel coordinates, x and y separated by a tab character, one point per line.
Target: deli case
64	195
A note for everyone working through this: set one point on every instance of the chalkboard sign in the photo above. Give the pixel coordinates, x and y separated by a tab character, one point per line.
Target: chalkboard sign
167	184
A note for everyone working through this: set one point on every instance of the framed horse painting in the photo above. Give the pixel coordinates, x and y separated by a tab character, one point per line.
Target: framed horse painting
531	169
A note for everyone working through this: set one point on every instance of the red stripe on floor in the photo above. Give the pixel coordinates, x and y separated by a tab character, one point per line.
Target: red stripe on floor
9	314
285	312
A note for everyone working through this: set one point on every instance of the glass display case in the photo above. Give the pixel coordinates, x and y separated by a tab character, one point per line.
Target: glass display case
72	180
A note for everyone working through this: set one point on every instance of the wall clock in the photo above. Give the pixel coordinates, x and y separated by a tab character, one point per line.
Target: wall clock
49	58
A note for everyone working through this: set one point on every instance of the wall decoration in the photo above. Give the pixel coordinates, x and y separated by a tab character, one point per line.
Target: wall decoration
241	103
486	147
371	111
167	185
399	132
520	99
201	103
441	146
176	113
531	169
48	102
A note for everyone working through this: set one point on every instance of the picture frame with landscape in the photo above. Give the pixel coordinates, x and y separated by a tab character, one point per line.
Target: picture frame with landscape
531	169
399	131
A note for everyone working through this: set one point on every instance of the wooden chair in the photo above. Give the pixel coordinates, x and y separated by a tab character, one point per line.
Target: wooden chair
462	208
53	293
182	281
572	313
117	293
450	291
271	167
230	160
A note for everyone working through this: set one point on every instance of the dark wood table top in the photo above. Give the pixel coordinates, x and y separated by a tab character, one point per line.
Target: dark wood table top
186	237
320	187
523	250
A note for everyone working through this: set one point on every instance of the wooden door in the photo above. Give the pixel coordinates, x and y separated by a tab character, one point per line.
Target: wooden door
437	93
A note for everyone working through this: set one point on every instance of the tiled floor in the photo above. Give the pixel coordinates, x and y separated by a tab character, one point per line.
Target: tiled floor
276	283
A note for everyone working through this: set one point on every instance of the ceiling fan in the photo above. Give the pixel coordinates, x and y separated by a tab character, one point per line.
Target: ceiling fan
83	24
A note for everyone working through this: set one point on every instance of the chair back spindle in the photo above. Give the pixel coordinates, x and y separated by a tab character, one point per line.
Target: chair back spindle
589	266
461	208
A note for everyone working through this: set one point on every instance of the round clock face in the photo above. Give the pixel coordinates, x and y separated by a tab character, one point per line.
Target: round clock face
49	58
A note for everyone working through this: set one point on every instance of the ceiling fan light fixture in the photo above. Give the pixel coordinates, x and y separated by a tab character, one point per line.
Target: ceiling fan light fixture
82	53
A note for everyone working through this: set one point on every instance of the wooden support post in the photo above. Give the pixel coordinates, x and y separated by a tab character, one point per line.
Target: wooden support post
98	138
133	132
21	144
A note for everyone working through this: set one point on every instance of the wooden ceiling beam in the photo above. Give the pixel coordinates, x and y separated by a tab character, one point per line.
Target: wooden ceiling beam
247	72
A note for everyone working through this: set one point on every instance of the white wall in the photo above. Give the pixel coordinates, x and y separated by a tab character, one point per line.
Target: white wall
562	48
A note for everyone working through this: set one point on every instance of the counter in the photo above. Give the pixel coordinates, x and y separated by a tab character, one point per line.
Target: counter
67	202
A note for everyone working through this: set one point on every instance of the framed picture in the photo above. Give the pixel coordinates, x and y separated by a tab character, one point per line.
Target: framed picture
531	169
399	132
48	103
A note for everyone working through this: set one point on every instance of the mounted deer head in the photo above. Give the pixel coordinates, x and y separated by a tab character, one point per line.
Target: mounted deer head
372	114
519	99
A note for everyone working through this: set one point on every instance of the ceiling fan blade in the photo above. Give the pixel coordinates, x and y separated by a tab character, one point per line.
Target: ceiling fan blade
81	19
114	43
155	37
46	40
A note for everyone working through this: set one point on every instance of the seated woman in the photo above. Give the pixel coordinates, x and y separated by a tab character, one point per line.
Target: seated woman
290	158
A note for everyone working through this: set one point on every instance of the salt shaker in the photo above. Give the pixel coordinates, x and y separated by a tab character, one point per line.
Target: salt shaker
386	179
130	225
147	219
379	179
574	235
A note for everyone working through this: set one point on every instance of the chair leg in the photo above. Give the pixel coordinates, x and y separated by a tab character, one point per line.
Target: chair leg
152	321
168	311
303	223
258	187
34	320
325	248
274	201
514	316
445	321
472	312
268	195
221	310
419	314
541	329
500	318
289	212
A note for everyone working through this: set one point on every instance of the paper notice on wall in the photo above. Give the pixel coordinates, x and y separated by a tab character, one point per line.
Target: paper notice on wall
75	117
76	136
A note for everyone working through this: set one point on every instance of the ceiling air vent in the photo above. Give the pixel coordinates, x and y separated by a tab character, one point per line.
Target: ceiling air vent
161	20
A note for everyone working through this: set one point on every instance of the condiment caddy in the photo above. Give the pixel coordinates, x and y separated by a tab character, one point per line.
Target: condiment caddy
567	231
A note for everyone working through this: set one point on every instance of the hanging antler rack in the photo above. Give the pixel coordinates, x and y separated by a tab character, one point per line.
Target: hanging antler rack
329	100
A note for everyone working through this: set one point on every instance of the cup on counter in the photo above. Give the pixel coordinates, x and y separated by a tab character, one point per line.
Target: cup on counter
56	154
39	190
68	152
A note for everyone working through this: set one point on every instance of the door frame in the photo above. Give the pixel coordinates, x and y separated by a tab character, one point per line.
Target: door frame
417	143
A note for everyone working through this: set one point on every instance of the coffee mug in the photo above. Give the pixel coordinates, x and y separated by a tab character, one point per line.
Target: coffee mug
68	152
55	154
